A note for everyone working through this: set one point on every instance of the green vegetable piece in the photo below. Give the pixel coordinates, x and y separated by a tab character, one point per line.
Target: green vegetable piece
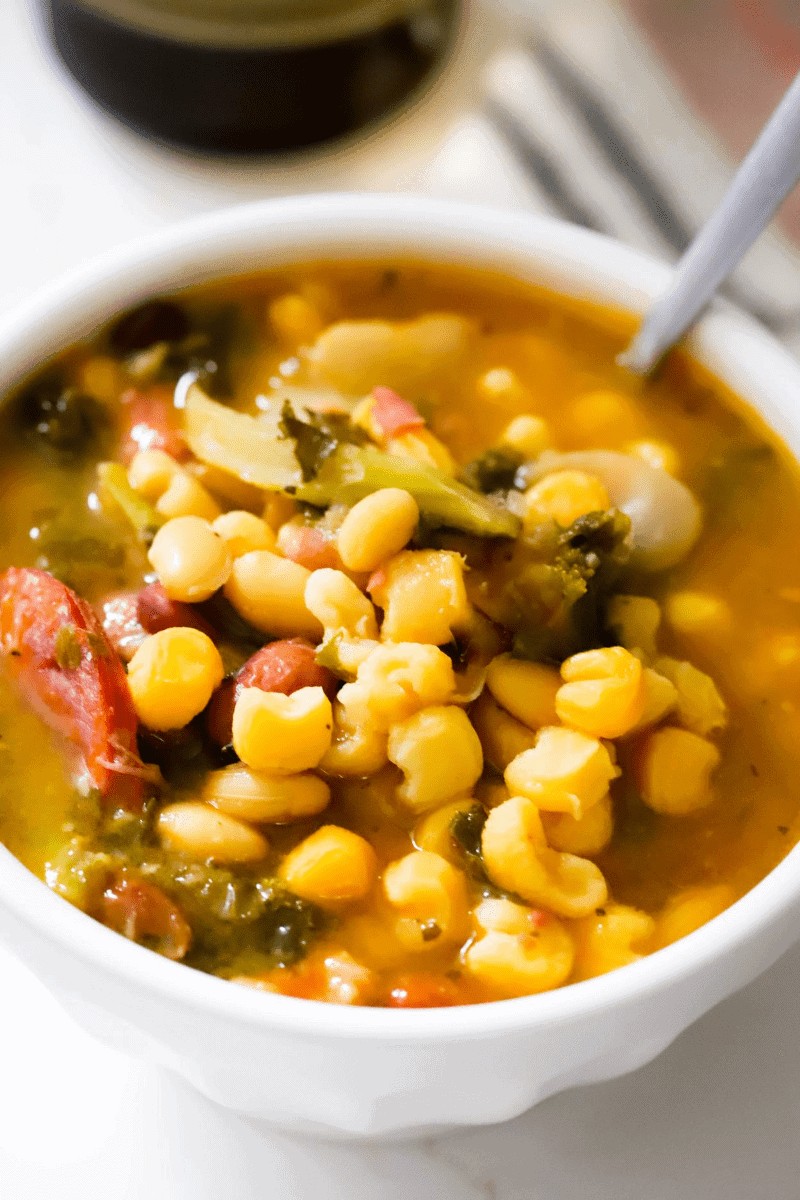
68	648
353	472
145	519
252	448
466	829
494	471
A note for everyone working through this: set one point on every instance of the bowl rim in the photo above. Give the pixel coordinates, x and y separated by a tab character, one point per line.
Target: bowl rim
369	225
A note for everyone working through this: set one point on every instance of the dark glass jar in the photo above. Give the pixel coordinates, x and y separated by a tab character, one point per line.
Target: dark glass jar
247	76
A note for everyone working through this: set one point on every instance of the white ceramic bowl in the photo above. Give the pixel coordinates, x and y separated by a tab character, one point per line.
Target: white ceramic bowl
310	1066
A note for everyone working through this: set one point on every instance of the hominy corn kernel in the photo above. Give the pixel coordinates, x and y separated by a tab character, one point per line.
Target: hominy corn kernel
696	613
433	832
495	914
279	734
634	621
675	771
439	754
521	964
661	455
355	750
586	835
185	496
396	680
502	386
688	910
172	676
265	799
613	937
295	320
423	596
430	896
243	531
566	771
192	828
602	693
529	436
424	447
339	605
698	704
332	866
502	736
605	416
517	858
660	698
191	561
376	528
527	690
269	592
278	509
151	472
563	496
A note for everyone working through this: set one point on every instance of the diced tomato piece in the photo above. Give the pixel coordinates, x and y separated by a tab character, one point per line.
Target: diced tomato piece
312	548
392	414
423	991
151	422
156	611
68	672
121	624
377	580
284	666
142	912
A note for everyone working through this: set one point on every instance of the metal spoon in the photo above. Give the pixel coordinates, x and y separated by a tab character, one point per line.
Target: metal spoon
765	178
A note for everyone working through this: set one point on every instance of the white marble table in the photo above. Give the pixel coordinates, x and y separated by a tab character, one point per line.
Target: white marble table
714	1117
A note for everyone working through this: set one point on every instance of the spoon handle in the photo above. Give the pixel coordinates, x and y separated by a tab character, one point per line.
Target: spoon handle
765	178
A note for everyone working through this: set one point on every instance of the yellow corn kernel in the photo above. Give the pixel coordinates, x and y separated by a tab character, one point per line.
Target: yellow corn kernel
566	771
101	376
661	455
282	734
675	771
517	858
243	531
612	937
521	961
278	509
265	799
376	528
430	896
605	415
502	736
693	613
688	910
423	596
192	828
295	320
433	832
502	386
527	690
186	497
151	472
660	698
355	750
439	754
563	496
602	693
339	605
396	680
699	706
269	592
191	561
586	835
172	676
424	447
333	866
634	621
529	436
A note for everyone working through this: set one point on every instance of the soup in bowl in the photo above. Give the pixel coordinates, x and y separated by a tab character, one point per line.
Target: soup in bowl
369	637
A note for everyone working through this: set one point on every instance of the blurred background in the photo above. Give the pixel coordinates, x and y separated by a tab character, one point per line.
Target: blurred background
624	115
